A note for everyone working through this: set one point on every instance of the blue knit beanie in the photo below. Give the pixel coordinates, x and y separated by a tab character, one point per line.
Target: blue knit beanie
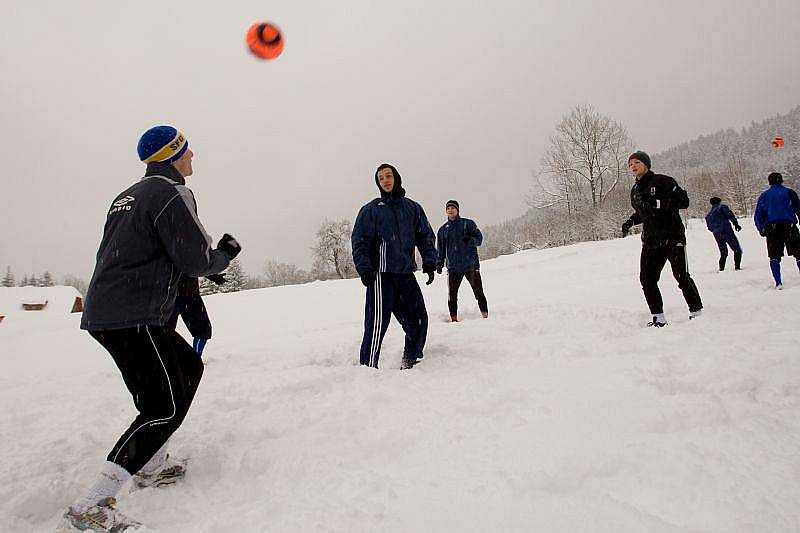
163	144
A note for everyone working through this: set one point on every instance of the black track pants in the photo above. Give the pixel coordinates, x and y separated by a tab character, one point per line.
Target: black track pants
474	280
652	263
162	373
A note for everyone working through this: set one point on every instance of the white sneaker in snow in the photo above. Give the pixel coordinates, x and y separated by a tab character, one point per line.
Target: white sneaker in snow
170	473
695	314
100	517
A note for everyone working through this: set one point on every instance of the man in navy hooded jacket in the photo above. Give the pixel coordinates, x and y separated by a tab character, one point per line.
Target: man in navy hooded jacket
718	222
385	233
776	219
457	244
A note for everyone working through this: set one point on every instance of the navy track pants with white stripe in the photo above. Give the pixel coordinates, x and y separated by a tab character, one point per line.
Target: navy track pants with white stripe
162	373
397	294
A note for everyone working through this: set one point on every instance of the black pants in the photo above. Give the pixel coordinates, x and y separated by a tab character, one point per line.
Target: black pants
397	294
780	236
725	239
652	263
162	373
474	280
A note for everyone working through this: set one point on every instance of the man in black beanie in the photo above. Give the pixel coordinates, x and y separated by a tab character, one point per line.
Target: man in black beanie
457	244
385	233
656	199
718	222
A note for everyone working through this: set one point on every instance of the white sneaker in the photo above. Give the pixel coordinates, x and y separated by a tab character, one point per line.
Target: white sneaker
100	517
695	314
170	472
779	287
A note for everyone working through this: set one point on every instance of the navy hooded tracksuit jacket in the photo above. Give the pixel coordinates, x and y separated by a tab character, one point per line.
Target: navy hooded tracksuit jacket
385	234
457	244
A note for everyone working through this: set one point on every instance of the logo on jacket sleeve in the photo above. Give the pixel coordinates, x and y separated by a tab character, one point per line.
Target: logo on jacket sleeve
123	204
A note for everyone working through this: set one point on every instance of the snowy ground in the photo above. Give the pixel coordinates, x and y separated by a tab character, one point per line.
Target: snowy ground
560	413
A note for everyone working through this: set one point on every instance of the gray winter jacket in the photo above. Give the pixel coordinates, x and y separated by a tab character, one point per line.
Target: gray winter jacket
152	235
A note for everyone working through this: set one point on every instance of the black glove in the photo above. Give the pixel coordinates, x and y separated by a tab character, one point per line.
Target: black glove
428	269
626	227
737	227
368	278
466	240
439	270
219	279
229	246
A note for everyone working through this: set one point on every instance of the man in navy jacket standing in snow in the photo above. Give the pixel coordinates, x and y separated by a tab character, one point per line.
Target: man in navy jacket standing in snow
457	244
776	219
385	233
718	222
152	236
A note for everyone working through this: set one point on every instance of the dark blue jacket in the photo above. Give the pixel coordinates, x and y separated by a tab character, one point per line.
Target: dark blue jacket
776	205
460	255
719	219
385	233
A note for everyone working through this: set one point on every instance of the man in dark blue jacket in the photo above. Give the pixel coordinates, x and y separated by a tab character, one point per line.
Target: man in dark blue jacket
190	307
385	233
718	222
656	199
152	236
457	244
776	219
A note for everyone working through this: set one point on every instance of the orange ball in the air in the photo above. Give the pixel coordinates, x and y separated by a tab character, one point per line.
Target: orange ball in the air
265	40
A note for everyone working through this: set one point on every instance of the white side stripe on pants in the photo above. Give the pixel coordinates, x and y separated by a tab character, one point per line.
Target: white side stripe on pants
171	395
378	306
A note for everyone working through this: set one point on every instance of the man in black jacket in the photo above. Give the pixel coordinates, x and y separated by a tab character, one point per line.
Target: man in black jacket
656	200
152	236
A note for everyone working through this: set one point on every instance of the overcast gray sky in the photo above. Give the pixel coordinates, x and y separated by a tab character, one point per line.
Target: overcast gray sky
461	96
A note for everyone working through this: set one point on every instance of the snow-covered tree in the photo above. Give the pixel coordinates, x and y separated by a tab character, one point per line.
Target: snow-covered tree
46	280
332	251
585	160
74	281
8	279
276	274
235	278
208	287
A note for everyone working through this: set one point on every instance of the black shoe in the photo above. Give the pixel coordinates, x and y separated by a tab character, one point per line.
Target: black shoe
408	364
656	323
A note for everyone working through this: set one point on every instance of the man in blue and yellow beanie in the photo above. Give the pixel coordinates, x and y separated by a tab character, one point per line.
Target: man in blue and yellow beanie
152	238
162	144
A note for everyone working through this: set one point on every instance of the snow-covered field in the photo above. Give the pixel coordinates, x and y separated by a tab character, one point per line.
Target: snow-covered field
560	413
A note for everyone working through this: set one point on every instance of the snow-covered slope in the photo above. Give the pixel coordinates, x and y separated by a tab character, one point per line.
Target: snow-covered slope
560	413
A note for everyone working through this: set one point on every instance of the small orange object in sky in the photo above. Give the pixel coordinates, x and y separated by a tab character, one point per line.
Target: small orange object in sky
265	40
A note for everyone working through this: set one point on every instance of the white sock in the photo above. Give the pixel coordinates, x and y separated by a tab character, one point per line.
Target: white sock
155	462
659	317
109	481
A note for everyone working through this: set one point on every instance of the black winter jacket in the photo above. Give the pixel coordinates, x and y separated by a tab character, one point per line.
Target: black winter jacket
656	199
151	236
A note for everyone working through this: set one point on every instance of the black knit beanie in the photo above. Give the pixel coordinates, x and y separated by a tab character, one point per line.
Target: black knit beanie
640	156
452	203
714	200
